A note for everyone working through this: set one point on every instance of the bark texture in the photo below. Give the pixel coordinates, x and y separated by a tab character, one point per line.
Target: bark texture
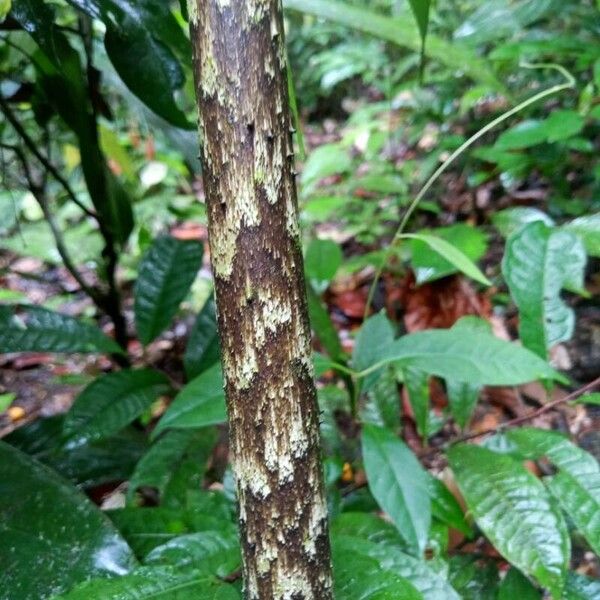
248	170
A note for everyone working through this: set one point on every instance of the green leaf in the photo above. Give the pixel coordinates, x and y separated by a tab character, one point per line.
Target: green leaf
563	124
322	260
367	538
326	160
166	274
36	329
593	398
538	262
215	552
524	135
203	348
446	250
383	401
110	403
323	326
477	357
580	587
462	399
106	461
359	577
473	579
588	229
6	400
200	403
513	509
445	507
577	484
400	32
398	483
52	536
417	384
511	220
155	582
147	528
515	586
4	9
373	341
156	467
420	9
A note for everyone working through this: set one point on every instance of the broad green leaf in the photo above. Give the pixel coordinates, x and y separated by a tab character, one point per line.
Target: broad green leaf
398	483
447	250
539	262
563	124
588	229
420	9
326	160
110	403
203	348
166	274
215	552
167	583
479	357
580	587
513	509
322	260
4	9
323	326
515	586
36	329
510	220
149	527
53	537
400	32
383	401
445	507
524	135
577	484
462	399
156	467
593	398
200	403
366	543
359	577
472	578
373	341
105	461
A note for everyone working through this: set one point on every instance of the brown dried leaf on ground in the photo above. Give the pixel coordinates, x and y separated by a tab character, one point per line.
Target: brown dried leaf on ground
438	304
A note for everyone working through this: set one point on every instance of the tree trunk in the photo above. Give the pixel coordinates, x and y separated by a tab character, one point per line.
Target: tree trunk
248	171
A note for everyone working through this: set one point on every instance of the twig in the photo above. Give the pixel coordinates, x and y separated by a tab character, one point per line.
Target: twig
29	142
532	415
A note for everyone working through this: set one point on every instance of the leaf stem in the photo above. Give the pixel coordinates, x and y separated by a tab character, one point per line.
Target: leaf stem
568	84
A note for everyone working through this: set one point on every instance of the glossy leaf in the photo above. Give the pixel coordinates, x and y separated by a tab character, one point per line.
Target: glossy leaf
53	537
417	385
588	229
462	400
322	260
538	263
511	220
156	467
449	257
577	484
513	509
580	587
400	32
105	461
200	403
515	586
155	582
383	401
149	527
473	579
479	357
445	507
365	542
36	329
359	577
215	552
110	403
203	348
165	276
398	483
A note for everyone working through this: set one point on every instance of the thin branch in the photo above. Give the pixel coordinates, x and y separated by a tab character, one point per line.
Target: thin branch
588	387
59	241
30	143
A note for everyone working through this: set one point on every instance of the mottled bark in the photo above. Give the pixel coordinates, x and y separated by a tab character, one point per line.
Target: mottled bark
248	170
